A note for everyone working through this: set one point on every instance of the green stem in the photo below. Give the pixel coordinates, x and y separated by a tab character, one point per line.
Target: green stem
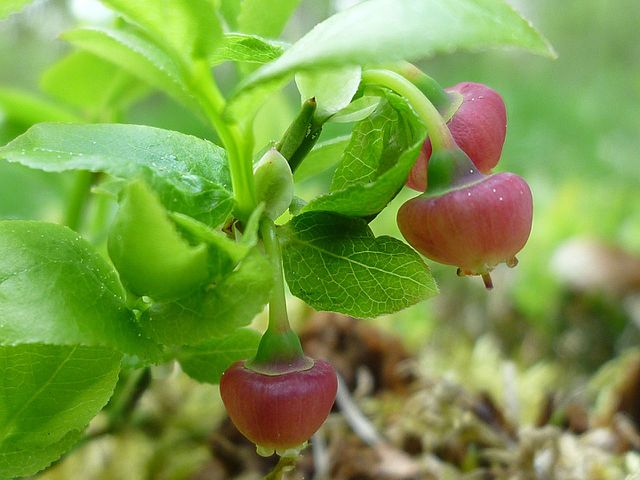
98	226
280	350
278	318
125	402
78	198
238	144
302	135
76	206
285	464
298	130
429	86
305	147
439	133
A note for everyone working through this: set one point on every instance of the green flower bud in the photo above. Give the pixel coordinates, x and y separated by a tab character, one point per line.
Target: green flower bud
274	183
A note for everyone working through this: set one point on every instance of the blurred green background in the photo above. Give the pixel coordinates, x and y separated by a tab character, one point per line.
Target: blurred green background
573	133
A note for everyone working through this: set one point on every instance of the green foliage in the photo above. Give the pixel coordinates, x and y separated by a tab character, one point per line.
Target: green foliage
333	90
26	193
215	311
323	156
357	110
190	28
207	361
151	256
376	144
220	244
336	263
240	47
48	394
266	18
27	108
375	164
138	56
56	289
189	175
380	31
91	84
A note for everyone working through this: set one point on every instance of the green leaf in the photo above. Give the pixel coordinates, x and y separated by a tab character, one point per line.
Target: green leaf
333	89
335	263
364	200
377	142
375	164
250	100
206	362
323	156
230	252
56	289
48	394
357	110
251	228
240	47
27	108
92	84
136	55
8	7
215	311
189	27
266	18
190	175
211	265
151	256
17	460
379	31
